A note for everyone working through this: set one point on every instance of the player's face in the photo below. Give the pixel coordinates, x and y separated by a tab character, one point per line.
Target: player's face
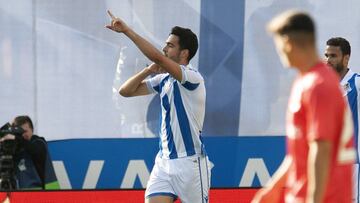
335	58
28	131
172	48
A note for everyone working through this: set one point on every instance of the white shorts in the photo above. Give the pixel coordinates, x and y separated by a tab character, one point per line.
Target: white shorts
187	178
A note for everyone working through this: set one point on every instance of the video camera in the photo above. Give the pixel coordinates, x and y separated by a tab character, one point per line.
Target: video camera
9	129
8	146
7	150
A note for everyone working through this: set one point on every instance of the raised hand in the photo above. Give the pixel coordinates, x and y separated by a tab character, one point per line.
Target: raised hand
117	24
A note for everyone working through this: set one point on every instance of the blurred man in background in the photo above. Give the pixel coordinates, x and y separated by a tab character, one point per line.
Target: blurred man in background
337	55
320	153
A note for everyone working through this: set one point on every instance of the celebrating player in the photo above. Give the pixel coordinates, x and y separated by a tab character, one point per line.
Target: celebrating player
181	167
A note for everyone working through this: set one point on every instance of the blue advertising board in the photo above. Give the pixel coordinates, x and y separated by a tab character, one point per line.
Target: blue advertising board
127	163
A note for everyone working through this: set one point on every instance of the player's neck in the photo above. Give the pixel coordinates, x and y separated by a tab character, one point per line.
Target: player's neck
183	62
307	60
343	73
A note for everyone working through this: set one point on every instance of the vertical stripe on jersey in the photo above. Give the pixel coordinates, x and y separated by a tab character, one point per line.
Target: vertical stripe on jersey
158	88
160	141
169	134
352	100
183	121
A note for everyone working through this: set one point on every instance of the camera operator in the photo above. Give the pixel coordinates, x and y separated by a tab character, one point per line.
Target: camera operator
33	166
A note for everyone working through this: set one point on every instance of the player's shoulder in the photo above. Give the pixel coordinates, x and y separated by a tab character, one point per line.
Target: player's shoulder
319	74
321	78
328	75
352	77
190	70
189	67
38	139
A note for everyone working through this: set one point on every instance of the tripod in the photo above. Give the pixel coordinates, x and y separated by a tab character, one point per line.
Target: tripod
7	173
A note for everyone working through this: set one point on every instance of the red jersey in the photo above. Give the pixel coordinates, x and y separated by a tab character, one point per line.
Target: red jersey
317	111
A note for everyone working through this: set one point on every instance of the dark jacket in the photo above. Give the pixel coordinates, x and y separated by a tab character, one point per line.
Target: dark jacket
33	165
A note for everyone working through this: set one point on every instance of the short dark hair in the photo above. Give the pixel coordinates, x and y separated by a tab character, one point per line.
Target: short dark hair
187	40
292	21
340	42
21	120
297	25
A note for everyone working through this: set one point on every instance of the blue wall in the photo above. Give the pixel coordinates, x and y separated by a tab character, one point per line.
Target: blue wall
221	63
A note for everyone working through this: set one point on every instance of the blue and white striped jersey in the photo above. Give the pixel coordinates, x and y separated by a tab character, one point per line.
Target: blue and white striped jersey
351	87
182	112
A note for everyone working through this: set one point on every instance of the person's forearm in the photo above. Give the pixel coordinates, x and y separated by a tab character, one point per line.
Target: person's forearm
145	47
279	178
318	170
273	189
132	84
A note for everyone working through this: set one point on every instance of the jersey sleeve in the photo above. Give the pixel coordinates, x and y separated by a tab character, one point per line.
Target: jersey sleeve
190	75
325	108
153	83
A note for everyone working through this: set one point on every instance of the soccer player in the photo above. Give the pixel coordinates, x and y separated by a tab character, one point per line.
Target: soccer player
181	167
320	153
337	55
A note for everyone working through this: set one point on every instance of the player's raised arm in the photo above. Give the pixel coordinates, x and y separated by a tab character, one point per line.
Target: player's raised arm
145	47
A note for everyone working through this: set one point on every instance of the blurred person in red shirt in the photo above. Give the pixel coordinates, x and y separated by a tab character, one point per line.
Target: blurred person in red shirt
320	153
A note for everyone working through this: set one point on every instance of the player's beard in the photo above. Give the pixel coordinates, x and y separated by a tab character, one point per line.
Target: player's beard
339	67
175	58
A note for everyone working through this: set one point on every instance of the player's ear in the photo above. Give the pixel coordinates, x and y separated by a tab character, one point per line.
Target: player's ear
288	44
346	60
184	53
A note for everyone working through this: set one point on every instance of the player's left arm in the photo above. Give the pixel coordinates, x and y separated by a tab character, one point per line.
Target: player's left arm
271	192
146	47
318	169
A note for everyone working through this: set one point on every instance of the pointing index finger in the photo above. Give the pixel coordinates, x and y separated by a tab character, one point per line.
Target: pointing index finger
111	15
